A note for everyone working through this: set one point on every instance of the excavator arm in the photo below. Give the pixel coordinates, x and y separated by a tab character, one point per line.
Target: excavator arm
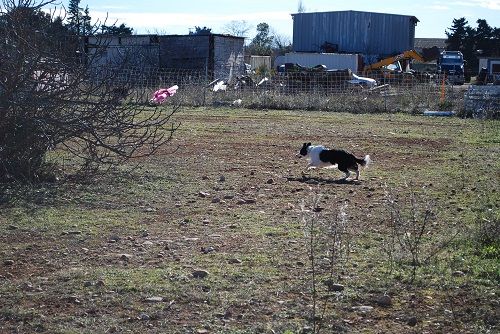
430	54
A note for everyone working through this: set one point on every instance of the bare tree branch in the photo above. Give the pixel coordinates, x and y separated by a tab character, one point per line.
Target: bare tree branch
51	95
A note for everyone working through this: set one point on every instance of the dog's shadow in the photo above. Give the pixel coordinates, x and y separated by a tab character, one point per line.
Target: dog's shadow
319	180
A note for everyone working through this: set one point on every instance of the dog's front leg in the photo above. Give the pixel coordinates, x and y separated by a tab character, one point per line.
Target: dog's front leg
310	166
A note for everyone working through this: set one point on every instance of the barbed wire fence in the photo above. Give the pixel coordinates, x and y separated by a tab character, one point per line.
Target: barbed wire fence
325	91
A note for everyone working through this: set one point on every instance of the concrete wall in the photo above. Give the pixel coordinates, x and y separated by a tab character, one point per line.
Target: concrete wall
330	60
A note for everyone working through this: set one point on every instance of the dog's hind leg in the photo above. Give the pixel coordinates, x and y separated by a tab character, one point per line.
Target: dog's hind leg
355	169
344	169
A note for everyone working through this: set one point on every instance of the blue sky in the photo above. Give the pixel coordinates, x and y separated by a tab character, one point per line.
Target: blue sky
178	17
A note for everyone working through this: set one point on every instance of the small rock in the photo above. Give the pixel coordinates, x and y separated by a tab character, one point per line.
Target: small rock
203	194
125	257
384	301
246	201
99	283
74	299
307	329
200	273
334	286
207	250
458	273
216	200
222	178
206	221
88	284
154	299
202	331
363	308
270	181
144	317
229	196
235	261
12	227
412	321
148	243
8	262
113	238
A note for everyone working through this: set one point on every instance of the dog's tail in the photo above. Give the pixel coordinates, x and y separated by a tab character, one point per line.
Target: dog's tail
365	161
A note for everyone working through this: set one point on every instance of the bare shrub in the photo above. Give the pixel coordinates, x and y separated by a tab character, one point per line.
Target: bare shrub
51	96
413	237
328	238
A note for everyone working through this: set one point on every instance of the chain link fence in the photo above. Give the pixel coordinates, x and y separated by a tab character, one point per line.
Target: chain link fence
322	90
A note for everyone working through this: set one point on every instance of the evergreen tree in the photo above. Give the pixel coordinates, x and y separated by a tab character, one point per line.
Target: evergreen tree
496	42
121	30
262	43
457	34
75	17
86	25
201	31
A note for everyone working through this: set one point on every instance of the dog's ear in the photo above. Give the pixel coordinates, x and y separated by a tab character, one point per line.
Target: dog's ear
308	144
305	144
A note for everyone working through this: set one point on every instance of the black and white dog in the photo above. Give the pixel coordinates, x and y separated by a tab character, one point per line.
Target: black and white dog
320	156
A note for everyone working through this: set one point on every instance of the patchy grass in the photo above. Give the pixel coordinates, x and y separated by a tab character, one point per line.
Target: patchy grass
83	256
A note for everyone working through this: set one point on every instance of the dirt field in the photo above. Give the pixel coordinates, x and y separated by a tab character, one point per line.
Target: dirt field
208	236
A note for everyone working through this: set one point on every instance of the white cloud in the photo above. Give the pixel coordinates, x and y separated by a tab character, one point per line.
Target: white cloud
438	7
489	4
179	23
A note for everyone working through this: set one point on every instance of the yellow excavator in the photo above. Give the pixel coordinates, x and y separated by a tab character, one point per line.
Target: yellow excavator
402	60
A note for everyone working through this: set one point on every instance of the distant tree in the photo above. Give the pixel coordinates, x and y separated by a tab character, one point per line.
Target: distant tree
457	34
237	28
281	43
121	30
484	37
496	42
262	43
300	7
86	24
469	50
74	17
201	31
483	40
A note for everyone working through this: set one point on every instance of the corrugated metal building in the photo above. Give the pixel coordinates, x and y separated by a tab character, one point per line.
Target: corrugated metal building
136	50
353	32
219	55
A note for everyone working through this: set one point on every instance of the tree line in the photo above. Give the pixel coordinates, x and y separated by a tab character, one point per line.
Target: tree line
481	41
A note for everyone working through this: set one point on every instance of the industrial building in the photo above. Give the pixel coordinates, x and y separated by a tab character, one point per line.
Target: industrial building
356	32
218	56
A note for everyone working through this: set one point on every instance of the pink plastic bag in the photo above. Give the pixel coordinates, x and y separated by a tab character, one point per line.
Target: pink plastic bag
162	94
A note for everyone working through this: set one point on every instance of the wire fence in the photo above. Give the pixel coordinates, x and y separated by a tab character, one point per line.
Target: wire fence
325	90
